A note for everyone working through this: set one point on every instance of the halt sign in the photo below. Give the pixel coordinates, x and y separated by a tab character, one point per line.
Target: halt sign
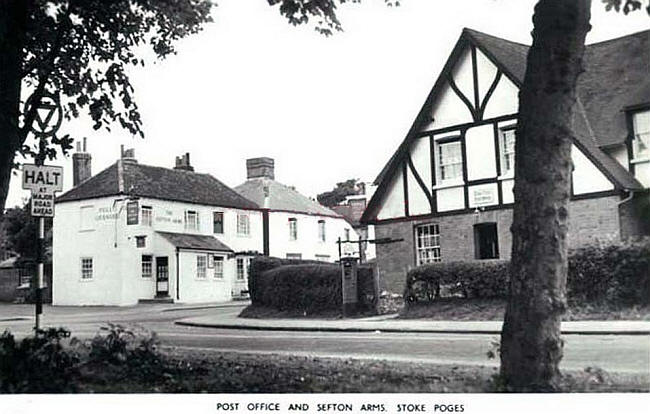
43	181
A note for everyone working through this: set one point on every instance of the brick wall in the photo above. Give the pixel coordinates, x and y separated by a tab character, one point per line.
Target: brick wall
591	220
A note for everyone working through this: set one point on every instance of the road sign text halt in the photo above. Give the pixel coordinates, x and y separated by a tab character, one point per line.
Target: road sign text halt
43	181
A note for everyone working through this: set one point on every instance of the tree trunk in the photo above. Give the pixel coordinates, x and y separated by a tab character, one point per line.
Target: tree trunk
531	345
12	26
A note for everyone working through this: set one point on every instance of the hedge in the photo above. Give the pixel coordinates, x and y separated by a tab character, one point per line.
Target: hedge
618	273
261	264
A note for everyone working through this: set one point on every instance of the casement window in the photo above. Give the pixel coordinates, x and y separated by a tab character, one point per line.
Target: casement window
294	256
147	216
449	161
507	150
191	220
86	268
147	266
140	241
217	222
293	229
641	137
321	231
346	234
323	257
240	268
243	224
427	243
201	266
218	267
86	218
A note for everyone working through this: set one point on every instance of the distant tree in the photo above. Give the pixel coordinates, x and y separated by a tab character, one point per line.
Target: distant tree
338	194
22	231
80	49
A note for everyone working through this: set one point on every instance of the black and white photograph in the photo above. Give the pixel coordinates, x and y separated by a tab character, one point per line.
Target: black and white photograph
324	206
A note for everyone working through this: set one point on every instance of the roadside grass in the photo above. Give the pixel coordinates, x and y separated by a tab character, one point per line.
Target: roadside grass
461	309
193	371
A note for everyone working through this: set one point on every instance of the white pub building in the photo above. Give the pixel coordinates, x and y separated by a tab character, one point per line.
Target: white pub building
135	233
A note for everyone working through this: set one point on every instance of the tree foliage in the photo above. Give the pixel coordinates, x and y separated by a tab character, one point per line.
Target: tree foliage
342	190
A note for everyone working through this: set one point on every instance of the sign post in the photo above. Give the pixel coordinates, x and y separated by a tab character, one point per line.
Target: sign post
43	181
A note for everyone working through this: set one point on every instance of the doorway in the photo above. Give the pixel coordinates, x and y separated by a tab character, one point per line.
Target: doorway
162	276
486	241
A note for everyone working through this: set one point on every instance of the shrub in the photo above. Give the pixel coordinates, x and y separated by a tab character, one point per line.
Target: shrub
38	364
306	287
615	274
260	265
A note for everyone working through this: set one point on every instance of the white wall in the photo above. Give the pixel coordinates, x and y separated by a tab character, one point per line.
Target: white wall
587	178
117	272
307	243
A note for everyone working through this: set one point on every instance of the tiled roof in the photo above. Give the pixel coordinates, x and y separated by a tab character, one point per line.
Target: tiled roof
159	183
195	242
281	197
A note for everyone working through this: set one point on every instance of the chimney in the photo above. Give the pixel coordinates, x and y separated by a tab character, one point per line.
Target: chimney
81	170
128	155
262	167
183	163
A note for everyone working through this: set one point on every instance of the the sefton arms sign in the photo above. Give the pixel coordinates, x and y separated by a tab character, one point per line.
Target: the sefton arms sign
43	181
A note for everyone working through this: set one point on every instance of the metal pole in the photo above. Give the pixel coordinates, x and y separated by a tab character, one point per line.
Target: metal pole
39	275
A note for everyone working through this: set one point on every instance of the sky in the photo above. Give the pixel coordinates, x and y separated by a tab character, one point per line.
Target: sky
325	108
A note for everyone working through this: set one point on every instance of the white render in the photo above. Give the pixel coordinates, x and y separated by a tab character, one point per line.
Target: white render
117	270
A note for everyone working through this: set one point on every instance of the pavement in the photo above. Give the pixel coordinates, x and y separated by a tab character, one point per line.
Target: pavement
390	323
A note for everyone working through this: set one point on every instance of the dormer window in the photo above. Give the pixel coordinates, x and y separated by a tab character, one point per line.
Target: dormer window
641	136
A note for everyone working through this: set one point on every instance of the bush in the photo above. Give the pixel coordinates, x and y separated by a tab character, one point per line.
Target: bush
261	264
38	364
614	274
308	288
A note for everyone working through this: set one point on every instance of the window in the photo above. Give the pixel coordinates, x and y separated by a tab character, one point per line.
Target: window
346	232
217	222
147	215
507	149
147	266
427	239
240	268
201	265
323	257
243	225
321	230
486	241
293	229
140	241
87	268
294	256
86	218
191	220
218	267
641	141
450	161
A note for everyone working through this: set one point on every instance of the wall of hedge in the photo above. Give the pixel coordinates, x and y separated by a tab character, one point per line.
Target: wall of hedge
617	274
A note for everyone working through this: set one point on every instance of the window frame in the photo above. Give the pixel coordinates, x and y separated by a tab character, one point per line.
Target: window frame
149	221
89	226
218	266
502	150
433	248
201	269
243	226
142	266
140	242
82	269
293	229
439	143
187	221
635	156
240	274
322	234
216	214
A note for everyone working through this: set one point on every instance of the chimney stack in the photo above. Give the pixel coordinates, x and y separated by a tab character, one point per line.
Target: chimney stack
262	167
81	164
183	163
128	155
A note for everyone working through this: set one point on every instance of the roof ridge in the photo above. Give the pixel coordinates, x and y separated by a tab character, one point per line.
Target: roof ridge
647	31
473	31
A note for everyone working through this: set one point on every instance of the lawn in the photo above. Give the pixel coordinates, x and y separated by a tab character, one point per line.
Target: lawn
191	371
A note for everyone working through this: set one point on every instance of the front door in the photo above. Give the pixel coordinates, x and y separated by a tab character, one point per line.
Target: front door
162	276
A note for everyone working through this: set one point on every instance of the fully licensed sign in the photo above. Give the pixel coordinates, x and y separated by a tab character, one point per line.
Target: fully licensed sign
43	181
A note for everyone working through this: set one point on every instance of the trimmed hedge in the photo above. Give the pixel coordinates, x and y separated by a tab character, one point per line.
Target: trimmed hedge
618	273
261	264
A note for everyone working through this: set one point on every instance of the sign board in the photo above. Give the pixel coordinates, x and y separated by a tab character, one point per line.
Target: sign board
483	197
43	181
132	210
